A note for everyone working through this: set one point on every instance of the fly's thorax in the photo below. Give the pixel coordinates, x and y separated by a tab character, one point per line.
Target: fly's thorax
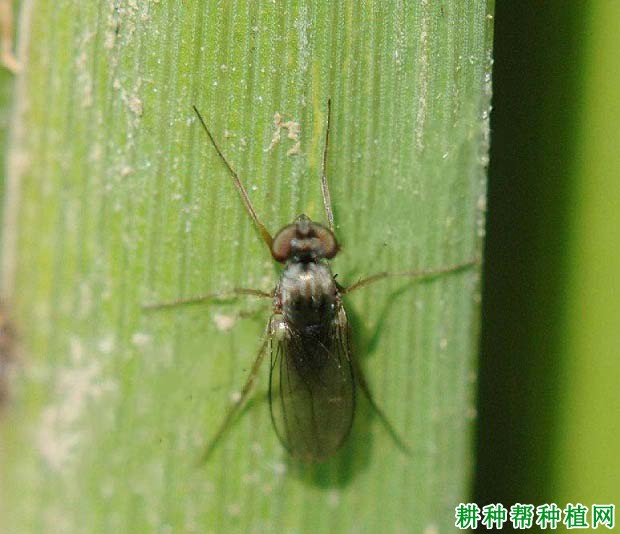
308	294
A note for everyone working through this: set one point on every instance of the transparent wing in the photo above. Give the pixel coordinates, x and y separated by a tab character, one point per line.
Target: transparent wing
312	388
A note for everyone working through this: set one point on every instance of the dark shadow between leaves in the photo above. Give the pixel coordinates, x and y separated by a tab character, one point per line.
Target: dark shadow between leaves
537	77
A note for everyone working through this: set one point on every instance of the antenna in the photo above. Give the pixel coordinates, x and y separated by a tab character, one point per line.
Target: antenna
267	238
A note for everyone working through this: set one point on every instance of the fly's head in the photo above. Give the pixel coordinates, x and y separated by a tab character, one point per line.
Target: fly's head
304	241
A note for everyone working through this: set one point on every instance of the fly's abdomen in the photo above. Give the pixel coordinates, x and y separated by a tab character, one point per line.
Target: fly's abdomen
312	391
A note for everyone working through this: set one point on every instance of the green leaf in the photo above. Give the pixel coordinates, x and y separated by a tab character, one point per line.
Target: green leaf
587	435
123	202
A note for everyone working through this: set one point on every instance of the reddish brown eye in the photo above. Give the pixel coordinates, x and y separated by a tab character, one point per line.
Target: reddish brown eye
281	246
327	239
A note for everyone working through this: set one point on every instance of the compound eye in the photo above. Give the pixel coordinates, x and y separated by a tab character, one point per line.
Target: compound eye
281	246
329	245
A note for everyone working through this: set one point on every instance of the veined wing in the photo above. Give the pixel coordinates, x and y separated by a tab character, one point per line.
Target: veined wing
312	387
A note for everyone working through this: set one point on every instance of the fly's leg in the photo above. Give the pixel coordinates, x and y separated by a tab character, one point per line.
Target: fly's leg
6	37
245	391
327	201
234	409
361	380
413	275
267	238
204	299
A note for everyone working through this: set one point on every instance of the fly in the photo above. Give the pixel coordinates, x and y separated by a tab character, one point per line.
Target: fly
313	372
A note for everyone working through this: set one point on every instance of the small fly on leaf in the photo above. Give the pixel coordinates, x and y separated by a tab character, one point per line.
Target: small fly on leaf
313	372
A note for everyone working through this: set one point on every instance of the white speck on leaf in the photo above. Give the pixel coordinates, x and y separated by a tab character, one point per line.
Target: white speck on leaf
423	77
293	130
141	339
333	499
223	322
279	468
77	384
295	150
107	344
